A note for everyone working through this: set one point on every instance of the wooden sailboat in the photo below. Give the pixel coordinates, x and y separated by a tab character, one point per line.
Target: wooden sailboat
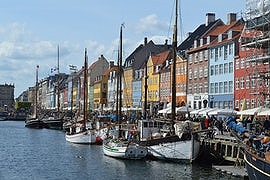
79	133
118	145
35	121
165	138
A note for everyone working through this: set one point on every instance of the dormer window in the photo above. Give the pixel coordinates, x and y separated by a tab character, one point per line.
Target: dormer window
230	34
195	43
219	37
201	42
208	40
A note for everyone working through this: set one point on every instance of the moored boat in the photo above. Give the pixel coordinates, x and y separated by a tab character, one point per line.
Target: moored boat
4	115
124	149
178	143
34	123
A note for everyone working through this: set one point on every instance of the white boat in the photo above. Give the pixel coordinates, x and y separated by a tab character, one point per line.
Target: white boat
82	137
125	149
79	133
166	142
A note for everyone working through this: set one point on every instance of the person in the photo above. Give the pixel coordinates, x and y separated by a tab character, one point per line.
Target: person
219	125
207	121
266	125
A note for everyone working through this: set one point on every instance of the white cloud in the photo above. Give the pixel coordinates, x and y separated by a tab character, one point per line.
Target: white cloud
151	25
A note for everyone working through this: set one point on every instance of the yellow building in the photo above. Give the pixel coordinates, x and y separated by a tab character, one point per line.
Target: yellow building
154	64
127	87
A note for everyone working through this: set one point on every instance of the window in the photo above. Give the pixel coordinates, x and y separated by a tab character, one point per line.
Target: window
206	87
195	73
220	87
236	83
212	70
237	64
230	86
211	53
206	55
221	69
225	68
201	56
242	63
200	72
247	63
242	83
212	88
200	88
247	83
216	54
190	74
225	87
196	58
225	52
205	71
216	87
231	67
216	69
190	58
195	88
220	51
230	49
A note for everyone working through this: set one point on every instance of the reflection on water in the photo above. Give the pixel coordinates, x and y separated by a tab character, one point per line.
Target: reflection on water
44	154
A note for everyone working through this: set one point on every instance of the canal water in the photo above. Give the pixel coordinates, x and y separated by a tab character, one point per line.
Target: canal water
37	154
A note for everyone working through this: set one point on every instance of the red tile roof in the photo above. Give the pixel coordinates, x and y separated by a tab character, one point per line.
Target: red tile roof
160	58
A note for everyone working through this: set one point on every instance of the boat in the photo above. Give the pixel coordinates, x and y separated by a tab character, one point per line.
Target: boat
118	144
4	115
34	121
79	133
53	120
256	150
169	139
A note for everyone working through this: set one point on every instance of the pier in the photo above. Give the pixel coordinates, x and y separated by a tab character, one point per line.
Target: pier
226	151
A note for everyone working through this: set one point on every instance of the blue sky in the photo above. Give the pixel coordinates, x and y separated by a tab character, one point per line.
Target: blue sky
30	31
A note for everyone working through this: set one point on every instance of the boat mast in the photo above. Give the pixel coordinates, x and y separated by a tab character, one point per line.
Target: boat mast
119	80
85	89
145	91
174	49
36	93
58	83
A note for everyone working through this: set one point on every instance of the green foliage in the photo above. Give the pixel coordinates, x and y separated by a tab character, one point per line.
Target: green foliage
22	104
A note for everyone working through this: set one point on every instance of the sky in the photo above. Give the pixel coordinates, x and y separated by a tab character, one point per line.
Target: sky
31	31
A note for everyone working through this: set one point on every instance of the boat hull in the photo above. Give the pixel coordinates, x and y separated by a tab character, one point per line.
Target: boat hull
53	124
34	123
257	168
124	150
187	150
86	137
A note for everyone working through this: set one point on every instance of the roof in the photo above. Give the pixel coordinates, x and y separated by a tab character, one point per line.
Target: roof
197	34
160	58
139	57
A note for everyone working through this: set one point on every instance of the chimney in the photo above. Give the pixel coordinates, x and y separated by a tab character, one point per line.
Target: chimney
188	34
166	41
145	41
210	17
111	64
231	17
